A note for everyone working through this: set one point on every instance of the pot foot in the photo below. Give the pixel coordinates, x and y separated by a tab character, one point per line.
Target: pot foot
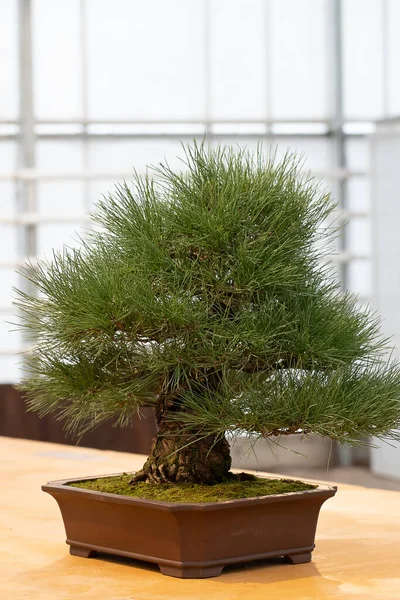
297	559
82	552
191	572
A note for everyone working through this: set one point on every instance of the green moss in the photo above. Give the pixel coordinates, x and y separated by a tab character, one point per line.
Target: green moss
188	492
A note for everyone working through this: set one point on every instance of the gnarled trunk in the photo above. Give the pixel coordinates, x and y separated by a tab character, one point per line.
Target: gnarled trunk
180	457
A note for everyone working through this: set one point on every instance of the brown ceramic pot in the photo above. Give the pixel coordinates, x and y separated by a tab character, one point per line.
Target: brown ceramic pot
190	540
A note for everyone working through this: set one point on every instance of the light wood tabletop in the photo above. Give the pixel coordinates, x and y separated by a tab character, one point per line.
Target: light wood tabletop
357	553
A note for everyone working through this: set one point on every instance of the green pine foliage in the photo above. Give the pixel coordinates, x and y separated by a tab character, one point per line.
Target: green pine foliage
209	275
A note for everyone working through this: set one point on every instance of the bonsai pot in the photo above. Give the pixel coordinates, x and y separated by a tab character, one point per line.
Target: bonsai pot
190	540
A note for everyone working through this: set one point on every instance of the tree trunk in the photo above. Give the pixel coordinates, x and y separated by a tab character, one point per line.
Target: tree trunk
180	457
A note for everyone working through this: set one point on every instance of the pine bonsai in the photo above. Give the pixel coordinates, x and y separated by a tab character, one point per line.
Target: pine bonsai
204	296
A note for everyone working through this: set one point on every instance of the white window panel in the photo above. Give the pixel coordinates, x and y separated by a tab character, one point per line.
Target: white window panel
10	369
238	60
59	155
358	153
9	337
8	158
359	279
362	59
122	155
299	59
386	275
56	59
358	194
332	187
8	243
61	199
385	226
97	189
8	279
9	95
7	199
359	236
317	152
145	59
54	236
393	48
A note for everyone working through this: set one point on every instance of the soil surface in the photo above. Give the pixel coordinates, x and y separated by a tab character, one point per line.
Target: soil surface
232	489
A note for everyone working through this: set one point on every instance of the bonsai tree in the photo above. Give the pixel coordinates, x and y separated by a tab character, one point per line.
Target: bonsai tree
203	295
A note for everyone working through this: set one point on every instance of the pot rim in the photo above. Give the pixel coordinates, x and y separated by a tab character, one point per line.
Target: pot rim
62	487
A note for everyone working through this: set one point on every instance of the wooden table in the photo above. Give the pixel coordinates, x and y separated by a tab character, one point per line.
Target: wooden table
357	554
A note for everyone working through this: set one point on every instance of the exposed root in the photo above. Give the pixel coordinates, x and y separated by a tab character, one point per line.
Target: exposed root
151	474
177	459
158	474
139	476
